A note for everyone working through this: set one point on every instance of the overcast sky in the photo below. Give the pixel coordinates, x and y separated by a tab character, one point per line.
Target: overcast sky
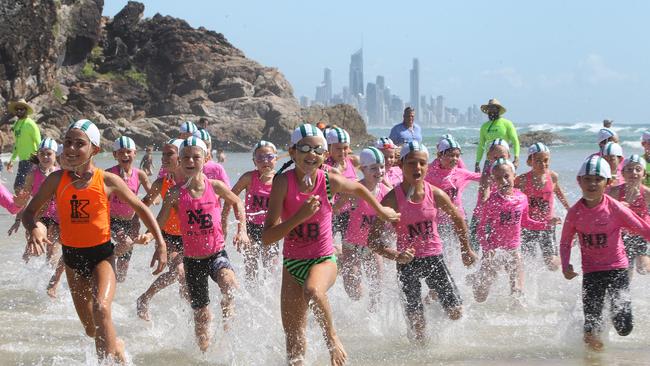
546	61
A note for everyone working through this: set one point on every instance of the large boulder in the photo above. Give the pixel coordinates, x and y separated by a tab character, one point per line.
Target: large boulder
341	115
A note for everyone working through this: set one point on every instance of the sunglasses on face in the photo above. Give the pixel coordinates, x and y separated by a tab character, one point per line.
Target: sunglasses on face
318	150
265	157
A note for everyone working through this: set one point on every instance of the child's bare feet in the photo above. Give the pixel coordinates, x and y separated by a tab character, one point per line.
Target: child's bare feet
643	264
51	290
338	356
143	308
120	356
593	342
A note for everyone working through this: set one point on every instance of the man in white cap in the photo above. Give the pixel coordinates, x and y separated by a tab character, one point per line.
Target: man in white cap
496	128
27	137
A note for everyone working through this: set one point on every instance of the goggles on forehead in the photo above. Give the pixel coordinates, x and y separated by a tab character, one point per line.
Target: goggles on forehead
304	148
265	157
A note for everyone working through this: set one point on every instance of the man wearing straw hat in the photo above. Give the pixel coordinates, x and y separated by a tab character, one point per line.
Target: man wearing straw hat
27	137
496	128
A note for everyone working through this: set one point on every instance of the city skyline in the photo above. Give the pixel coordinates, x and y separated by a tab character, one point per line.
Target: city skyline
552	61
378	106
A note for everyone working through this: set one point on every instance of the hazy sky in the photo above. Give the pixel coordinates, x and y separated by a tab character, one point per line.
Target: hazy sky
546	61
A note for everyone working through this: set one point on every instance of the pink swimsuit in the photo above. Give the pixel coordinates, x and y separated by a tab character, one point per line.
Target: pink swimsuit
540	200
313	238
362	219
7	200
501	220
417	227
394	175
453	182
200	220
216	171
257	199
639	205
119	208
39	178
599	231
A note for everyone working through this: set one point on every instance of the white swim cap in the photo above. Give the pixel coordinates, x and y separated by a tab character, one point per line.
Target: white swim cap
307	130
537	147
446	144
502	161
89	129
123	142
264	143
203	135
338	135
195	141
188	127
49	143
605	133
635	159
611	148
412	146
176	142
370	156
595	165
500	142
385	143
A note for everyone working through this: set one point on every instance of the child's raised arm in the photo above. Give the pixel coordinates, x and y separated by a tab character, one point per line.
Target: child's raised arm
340	184
559	193
153	192
460	226
144	181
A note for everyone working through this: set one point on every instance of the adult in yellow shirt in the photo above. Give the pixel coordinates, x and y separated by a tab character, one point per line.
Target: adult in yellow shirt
27	137
496	128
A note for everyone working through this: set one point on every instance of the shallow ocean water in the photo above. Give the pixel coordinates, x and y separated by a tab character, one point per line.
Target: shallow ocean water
36	330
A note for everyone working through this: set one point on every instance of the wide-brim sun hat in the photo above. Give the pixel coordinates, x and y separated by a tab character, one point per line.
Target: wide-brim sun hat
20	103
493	102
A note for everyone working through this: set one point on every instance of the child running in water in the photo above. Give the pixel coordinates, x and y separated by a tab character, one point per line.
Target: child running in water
636	196
44	164
82	195
645	142
199	209
499	149
613	155
598	220
125	225
257	184
147	164
539	185
393	176
300	211
503	213
338	141
355	242
171	230
444	173
419	253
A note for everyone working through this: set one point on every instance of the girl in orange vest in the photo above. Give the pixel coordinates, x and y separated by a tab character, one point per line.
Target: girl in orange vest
81	192
171	231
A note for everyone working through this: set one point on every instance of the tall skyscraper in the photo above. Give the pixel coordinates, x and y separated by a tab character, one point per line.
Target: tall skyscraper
356	73
440	110
324	90
371	104
415	87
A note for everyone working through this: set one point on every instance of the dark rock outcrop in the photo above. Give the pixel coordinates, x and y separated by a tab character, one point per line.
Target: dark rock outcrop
546	137
143	77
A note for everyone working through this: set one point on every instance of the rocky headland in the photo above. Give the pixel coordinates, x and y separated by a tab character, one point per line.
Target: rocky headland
143	77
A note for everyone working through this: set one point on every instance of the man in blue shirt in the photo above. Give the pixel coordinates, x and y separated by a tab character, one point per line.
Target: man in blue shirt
406	131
